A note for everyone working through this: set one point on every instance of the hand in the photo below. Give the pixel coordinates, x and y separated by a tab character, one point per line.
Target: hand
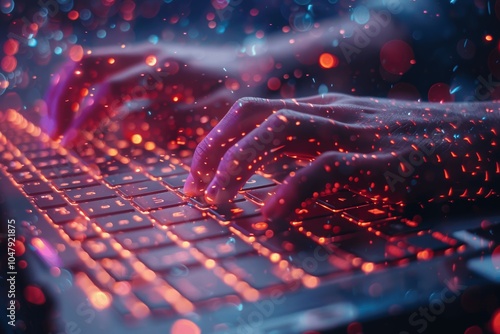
389	150
169	79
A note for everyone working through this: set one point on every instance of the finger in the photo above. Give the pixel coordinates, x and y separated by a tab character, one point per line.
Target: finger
111	92
328	173
57	99
91	114
286	131
73	80
241	119
243	116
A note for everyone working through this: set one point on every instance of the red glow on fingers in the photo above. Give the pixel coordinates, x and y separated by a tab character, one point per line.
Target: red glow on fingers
397	57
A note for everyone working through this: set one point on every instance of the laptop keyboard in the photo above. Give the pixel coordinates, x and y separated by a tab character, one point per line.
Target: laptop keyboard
148	249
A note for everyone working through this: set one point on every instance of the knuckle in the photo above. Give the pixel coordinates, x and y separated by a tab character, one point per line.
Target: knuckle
200	152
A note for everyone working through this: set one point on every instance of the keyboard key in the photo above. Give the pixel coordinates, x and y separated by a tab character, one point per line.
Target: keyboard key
396	228
123	222
157	201
427	241
25	176
124	178
61	171
119	269
260	195
145	238
74	182
199	229
255	269
178	214
63	215
372	248
42	153
111	166
199	284
36	187
162	259
80	229
257	181
52	200
153	298
343	199
236	210
368	214
164	168
91	193
99	248
223	247
141	188
54	161
140	155
311	211
13	165
200	202
315	261
329	228
175	181
252	226
33	146
105	207
291	241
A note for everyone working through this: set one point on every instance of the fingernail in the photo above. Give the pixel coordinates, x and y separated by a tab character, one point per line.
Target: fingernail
273	209
212	194
190	186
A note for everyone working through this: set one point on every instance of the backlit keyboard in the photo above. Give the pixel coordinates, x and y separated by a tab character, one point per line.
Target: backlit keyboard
152	250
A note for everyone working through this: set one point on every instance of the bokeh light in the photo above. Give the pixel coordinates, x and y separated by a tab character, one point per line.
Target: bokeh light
151	60
327	60
397	57
9	63
34	295
4	84
440	92
184	326
11	47
7	6
76	53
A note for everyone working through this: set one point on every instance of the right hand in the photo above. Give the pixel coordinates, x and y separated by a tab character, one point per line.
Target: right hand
170	79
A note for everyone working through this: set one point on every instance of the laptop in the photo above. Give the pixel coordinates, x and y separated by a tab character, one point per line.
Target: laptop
101	239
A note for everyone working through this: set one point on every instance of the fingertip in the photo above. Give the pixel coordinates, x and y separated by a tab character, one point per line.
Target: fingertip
218	195
274	208
190	188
